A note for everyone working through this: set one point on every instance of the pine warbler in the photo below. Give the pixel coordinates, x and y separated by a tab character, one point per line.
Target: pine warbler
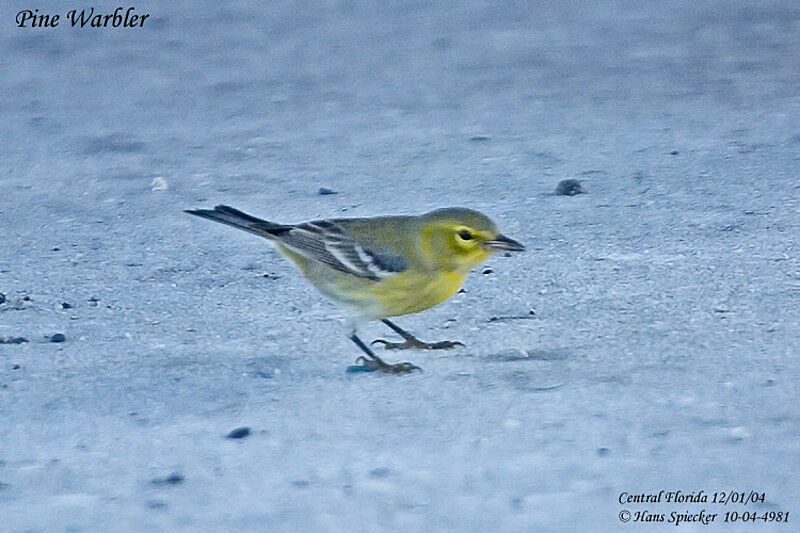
383	266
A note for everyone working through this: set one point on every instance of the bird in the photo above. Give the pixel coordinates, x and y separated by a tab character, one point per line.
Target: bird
382	267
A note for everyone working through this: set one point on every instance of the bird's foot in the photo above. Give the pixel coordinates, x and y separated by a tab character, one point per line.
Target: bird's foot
413	342
364	364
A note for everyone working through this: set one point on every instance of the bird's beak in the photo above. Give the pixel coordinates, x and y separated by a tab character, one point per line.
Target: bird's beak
505	244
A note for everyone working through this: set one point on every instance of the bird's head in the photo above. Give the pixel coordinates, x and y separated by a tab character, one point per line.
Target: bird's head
459	239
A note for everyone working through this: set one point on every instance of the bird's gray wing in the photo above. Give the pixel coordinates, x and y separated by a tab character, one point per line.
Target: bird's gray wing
330	243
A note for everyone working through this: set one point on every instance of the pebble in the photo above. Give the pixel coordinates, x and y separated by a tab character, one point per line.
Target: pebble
159	184
156	504
324	191
174	478
12	340
239	433
487	271
58	337
23	303
379	473
2	298
65	305
569	187
739	433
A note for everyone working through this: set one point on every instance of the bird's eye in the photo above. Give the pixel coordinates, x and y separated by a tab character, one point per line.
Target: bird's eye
465	235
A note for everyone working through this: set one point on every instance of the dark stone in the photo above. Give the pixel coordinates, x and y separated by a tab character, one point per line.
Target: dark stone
602	452
65	305
2	298
15	367
116	143
12	340
324	191
174	478
569	187
55	249
674	152
479	138
58	337
156	504
239	433
487	271
506	318
379	473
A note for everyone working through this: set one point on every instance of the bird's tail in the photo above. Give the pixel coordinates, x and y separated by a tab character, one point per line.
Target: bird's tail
238	219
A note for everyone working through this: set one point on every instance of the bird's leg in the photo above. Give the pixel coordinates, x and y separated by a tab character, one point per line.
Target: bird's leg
372	362
410	341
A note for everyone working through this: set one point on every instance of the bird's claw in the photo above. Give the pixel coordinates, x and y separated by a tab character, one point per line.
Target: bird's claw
417	344
364	364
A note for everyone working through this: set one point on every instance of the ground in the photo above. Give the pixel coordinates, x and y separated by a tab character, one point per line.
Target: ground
647	340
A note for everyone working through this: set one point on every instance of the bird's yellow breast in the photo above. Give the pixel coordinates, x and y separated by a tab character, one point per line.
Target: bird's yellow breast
404	293
411	292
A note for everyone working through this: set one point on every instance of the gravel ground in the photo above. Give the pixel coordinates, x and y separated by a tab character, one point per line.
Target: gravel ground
647	340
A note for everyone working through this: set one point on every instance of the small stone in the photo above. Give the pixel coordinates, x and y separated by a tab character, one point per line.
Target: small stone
487	271
2	298
379	473
15	367
569	187
239	433
159	184
58	337
12	340
739	433
478	138
55	249
174	478
156	504
324	191
93	301
674	152
65	305
602	452
23	303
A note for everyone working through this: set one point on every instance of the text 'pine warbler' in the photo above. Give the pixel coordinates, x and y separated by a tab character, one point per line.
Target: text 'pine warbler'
384	266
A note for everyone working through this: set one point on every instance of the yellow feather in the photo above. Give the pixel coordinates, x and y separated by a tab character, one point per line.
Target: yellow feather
411	292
